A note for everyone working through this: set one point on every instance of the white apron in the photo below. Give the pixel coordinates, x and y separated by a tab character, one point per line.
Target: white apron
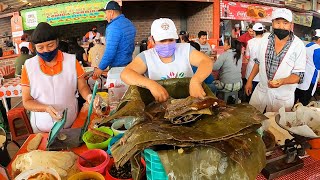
179	68
58	90
310	67
253	47
272	99
91	35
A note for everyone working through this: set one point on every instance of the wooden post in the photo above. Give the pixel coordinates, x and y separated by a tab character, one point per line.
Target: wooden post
216	21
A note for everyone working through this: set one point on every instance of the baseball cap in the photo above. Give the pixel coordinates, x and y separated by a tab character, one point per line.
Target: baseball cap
257	27
111	5
182	33
163	28
317	33
282	13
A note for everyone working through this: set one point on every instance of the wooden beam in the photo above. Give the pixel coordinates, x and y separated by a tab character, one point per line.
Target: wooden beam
6	15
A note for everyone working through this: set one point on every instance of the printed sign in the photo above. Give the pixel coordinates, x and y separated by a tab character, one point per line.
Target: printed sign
303	19
257	13
245	11
66	13
16	25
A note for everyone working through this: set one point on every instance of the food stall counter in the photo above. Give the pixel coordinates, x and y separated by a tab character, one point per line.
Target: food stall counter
79	122
9	56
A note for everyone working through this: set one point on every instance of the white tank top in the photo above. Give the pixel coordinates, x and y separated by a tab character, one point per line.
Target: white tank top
179	68
92	36
58	90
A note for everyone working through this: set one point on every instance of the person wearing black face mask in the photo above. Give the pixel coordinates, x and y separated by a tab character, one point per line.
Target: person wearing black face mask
50	81
281	62
91	35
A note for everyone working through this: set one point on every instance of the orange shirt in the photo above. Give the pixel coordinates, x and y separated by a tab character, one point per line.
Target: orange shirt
88	34
56	69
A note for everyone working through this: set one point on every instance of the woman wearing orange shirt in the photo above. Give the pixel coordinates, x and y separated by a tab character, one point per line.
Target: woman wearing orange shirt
50	82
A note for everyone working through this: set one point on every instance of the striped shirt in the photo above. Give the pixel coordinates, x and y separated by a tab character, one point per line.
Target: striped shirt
273	60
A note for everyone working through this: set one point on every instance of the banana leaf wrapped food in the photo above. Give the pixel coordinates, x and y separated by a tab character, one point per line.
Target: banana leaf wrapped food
222	129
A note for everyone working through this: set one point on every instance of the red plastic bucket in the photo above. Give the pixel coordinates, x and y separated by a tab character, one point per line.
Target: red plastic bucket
111	162
314	152
96	156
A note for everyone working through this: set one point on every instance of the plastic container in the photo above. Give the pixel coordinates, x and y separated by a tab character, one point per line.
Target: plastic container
116	87
87	135
95	154
314	152
113	141
104	96
154	167
86	175
111	162
4	154
27	174
118	124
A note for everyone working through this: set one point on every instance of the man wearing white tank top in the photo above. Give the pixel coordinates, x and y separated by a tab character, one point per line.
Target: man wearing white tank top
167	59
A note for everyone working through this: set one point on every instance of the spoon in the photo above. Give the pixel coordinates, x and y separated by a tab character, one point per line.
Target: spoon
91	164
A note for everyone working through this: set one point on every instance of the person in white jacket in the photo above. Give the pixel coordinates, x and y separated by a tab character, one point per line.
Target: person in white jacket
281	64
306	90
251	53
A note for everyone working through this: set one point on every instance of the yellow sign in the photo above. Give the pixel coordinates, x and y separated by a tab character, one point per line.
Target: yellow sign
66	13
303	19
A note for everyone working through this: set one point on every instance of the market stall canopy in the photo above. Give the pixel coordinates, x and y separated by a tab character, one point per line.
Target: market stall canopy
17	5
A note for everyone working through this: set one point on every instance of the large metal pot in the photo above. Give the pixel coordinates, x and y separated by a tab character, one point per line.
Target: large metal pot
5	157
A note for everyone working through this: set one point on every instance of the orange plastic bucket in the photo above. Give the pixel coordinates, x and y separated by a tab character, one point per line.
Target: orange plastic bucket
314	152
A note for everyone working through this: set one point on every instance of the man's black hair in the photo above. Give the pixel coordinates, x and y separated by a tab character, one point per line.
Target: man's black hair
24	50
202	33
195	45
313	35
63	46
259	32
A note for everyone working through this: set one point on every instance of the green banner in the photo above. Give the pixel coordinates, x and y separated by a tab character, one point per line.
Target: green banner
62	14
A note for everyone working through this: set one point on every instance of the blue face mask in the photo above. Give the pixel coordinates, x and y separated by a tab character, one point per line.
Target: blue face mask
48	56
